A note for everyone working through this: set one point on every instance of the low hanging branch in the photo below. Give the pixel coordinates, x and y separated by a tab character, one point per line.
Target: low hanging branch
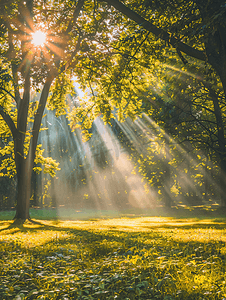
158	32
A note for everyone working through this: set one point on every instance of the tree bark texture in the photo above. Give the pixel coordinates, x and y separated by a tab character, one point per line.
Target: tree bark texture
222	146
24	190
25	165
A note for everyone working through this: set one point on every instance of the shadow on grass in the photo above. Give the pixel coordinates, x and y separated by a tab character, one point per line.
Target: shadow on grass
14	227
177	216
114	245
107	242
23	227
220	226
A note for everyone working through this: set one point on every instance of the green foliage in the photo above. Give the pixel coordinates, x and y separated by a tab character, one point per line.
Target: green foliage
126	69
8	167
50	165
57	99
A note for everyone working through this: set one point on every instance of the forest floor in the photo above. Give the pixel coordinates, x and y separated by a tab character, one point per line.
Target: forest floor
114	258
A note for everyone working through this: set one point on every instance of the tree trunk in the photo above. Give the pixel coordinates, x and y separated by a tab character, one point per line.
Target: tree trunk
222	146
24	190
166	178
25	165
34	188
222	155
216	53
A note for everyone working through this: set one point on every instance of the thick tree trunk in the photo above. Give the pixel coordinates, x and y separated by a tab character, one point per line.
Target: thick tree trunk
222	182
24	190
222	146
25	165
216	54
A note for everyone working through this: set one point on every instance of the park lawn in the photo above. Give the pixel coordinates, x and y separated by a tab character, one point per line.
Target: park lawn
118	258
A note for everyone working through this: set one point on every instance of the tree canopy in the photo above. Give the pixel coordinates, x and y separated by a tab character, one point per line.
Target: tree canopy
112	48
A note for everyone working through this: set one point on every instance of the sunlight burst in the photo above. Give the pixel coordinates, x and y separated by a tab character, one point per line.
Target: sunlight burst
38	38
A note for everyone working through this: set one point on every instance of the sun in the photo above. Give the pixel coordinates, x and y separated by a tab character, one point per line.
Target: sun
38	38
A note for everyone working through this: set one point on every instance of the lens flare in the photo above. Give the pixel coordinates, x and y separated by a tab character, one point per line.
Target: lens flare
39	38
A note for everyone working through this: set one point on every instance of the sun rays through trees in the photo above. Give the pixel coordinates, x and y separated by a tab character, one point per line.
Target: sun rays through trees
154	74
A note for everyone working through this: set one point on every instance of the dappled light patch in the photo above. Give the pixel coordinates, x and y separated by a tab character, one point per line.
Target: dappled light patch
122	258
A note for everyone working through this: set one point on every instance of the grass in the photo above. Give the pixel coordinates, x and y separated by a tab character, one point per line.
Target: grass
63	213
118	258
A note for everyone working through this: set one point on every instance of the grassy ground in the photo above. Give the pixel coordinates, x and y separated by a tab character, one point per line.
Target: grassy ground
63	213
114	258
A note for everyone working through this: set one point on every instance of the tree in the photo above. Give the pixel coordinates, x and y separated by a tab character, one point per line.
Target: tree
196	28
26	68
89	39
78	37
184	107
193	30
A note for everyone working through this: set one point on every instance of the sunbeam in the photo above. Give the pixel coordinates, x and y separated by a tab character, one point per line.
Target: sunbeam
123	167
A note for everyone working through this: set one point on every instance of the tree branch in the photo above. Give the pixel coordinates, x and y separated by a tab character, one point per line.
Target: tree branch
24	104
38	115
75	15
184	60
9	122
158	32
77	48
15	84
4	90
